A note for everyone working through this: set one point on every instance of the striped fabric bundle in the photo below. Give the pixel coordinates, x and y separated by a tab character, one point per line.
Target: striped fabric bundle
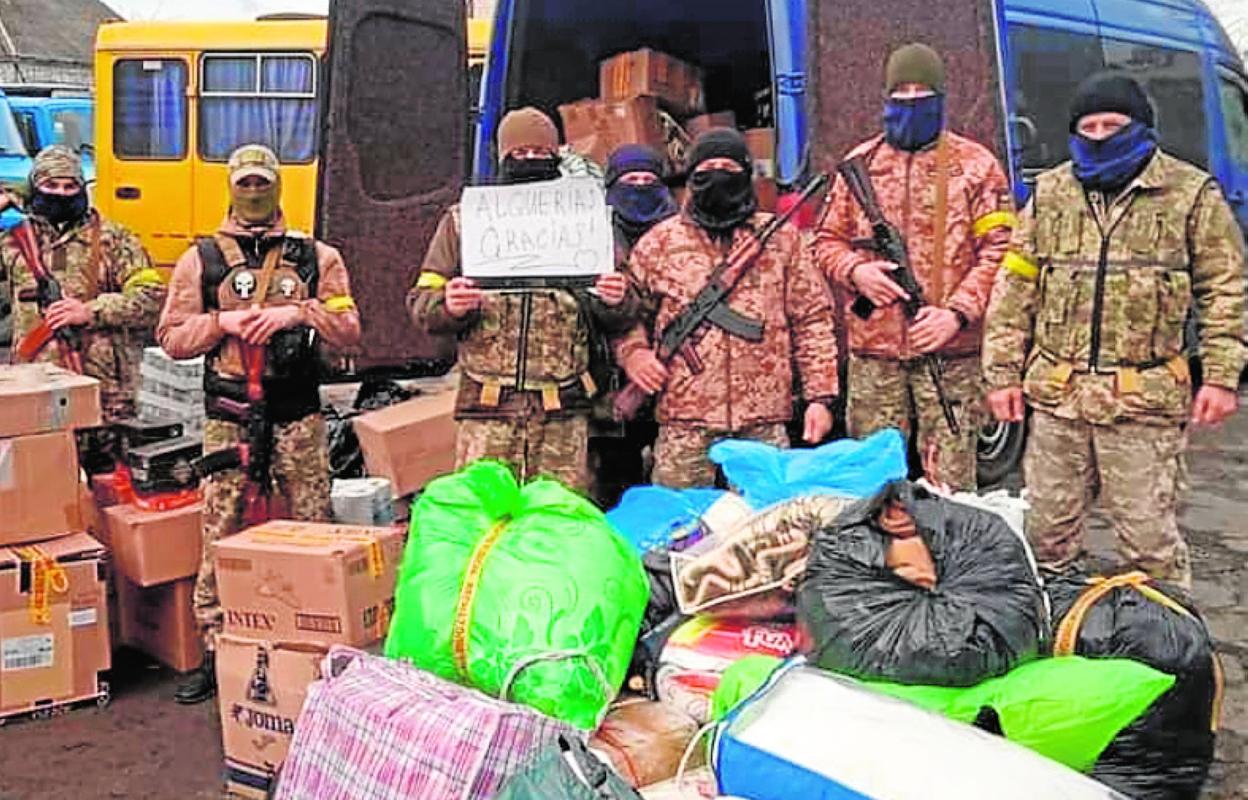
379	728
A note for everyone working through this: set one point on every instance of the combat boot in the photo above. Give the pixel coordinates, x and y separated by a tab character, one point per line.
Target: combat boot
199	685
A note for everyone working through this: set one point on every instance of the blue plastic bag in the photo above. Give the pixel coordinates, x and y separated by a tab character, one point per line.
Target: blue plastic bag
647	516
765	474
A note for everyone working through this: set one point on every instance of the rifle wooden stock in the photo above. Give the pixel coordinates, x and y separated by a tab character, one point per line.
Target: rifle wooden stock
68	339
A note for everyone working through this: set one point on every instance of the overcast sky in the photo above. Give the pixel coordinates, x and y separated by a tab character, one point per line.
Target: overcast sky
211	9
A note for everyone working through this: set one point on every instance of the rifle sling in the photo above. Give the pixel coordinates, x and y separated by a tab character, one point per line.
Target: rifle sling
936	293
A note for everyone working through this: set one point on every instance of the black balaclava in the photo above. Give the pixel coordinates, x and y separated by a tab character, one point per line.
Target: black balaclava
720	200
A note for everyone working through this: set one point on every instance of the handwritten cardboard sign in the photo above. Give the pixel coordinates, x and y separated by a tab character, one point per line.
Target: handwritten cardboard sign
536	231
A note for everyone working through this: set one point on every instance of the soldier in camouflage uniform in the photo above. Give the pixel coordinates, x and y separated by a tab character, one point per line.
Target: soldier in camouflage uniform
745	389
525	390
949	197
256	288
110	288
1086	324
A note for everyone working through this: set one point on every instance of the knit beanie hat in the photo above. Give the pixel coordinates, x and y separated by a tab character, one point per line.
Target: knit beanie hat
1111	91
720	143
914	63
633	158
526	127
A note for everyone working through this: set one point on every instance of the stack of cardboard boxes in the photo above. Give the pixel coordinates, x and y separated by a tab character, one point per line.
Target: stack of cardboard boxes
54	631
642	93
288	591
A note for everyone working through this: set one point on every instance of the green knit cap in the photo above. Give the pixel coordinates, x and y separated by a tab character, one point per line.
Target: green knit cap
914	63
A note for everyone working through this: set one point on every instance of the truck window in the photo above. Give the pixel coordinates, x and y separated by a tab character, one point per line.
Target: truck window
1234	94
1049	64
29	131
1172	79
149	109
258	98
73	127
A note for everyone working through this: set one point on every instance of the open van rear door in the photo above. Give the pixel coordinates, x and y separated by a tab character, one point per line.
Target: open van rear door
849	41
394	128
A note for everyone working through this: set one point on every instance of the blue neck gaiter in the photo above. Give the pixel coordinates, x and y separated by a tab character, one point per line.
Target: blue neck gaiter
1110	164
914	123
637	208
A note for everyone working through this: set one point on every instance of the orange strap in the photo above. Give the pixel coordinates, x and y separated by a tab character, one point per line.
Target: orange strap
468	592
1068	631
48	577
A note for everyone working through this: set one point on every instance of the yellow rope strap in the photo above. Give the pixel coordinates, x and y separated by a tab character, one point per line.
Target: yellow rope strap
1068	631
468	592
48	577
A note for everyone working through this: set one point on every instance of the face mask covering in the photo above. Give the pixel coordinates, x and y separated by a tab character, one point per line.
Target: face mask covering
256	206
638	208
528	170
721	200
59	209
1110	164
914	123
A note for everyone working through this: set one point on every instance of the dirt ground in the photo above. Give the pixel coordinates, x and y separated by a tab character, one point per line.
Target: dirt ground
145	746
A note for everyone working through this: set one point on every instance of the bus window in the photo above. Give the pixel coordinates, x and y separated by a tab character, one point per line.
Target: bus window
254	97
1235	112
149	109
1049	64
1172	79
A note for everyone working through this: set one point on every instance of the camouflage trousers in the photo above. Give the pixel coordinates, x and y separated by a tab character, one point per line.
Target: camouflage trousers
300	470
894	394
680	453
533	446
1134	468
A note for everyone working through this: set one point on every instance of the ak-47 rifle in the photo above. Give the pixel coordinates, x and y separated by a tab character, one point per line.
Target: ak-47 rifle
256	454
709	305
886	240
46	292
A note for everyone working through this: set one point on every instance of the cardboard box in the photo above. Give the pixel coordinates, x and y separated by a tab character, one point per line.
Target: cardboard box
39	487
696	126
762	145
154	547
309	582
677	85
261	687
412	442
160	621
52	651
38	398
595	128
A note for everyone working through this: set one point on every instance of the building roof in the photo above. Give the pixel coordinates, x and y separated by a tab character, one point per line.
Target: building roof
51	30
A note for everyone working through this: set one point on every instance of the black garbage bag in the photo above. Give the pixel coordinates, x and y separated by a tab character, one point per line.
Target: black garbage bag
1165	754
662	617
566	770
982	618
345	458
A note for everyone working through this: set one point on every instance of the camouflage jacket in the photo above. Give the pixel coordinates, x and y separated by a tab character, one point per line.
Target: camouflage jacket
105	266
1088	314
517	342
744	383
977	231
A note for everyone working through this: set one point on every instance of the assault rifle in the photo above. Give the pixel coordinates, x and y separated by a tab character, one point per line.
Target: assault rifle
46	292
256	454
886	240
710	305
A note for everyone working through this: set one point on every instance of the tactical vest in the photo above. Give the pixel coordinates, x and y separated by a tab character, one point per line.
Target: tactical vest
1117	299
230	281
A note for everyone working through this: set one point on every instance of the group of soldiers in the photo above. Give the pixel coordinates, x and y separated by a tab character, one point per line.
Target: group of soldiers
1076	310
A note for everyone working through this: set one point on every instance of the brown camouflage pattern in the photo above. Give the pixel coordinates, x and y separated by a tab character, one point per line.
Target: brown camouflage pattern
555	350
1173	242
124	295
1134	468
680	452
300	473
532	446
744	383
889	394
905	184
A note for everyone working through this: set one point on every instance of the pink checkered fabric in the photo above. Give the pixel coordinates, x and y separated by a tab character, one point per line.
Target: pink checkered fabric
379	729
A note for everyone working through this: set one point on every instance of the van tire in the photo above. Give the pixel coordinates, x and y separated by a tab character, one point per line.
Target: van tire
1000	451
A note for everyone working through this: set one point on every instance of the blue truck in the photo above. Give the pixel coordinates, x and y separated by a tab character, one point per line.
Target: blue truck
67	120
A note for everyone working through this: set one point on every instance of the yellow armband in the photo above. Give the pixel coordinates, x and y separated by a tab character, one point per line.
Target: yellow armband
1021	266
430	281
339	304
992	221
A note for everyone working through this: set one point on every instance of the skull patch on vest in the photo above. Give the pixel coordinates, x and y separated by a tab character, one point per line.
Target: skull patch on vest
244	284
288	287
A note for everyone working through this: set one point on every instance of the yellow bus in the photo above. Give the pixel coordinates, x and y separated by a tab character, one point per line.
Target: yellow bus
173	99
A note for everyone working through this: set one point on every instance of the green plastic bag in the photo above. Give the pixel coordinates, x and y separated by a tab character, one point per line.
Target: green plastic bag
524	593
1068	709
